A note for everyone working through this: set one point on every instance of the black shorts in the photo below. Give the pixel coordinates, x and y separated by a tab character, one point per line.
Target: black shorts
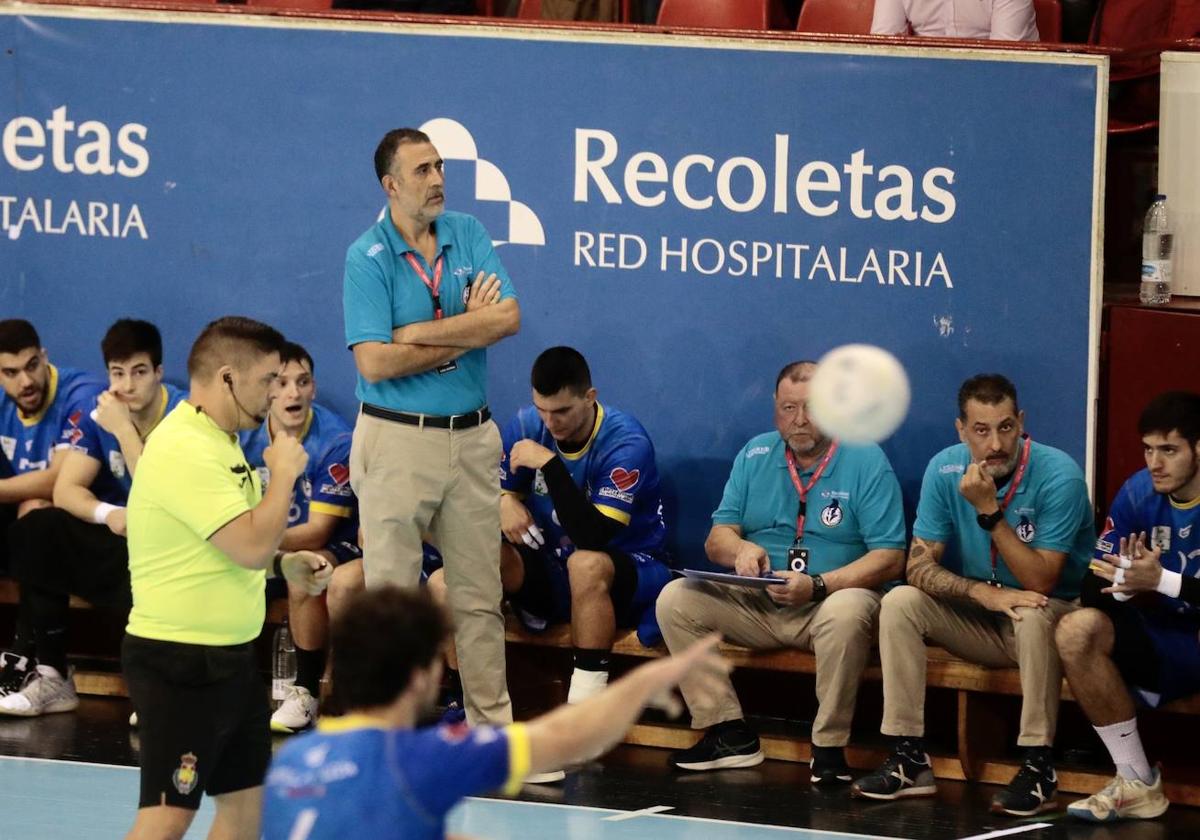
203	719
58	552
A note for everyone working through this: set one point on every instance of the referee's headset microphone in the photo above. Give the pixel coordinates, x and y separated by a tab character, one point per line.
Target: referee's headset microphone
257	418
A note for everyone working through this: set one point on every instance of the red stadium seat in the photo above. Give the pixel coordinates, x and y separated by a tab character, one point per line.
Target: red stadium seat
292	5
723	14
837	17
532	10
1049	20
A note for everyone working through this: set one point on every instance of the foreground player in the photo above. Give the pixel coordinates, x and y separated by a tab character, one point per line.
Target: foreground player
78	547
200	537
1150	551
323	517
372	774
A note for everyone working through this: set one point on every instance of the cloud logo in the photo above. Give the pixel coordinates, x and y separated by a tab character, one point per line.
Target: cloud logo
455	142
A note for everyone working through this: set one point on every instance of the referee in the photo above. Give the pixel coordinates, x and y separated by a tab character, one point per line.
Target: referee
201	534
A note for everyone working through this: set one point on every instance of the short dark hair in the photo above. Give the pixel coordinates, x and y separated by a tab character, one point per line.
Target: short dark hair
560	367
800	371
379	639
17	334
987	388
293	352
1174	411
232	340
128	337
385	152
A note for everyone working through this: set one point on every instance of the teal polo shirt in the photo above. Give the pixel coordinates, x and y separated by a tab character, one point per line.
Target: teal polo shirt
382	291
854	507
1050	510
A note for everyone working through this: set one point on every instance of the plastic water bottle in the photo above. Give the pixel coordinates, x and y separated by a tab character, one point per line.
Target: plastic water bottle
283	672
1157	244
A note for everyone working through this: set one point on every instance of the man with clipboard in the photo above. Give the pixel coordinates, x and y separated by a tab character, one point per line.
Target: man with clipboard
828	518
1018	516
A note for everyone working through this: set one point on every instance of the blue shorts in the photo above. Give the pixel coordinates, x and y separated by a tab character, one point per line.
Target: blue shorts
1158	653
545	595
344	551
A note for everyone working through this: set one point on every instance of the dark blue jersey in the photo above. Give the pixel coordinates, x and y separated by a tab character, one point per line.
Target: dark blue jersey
355	777
83	434
27	442
616	468
1172	526
325	485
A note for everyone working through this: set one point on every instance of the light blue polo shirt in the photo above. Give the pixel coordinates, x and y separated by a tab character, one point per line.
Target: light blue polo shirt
381	291
854	507
1050	510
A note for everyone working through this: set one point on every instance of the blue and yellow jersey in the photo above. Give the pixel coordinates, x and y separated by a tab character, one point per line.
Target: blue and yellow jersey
1173	527
83	434
29	441
616	468
325	485
355	776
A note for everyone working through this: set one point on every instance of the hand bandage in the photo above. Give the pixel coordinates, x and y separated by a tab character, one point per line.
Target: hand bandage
1124	561
100	514
533	537
1119	577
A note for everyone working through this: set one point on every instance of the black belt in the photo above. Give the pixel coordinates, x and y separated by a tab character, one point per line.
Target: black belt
453	422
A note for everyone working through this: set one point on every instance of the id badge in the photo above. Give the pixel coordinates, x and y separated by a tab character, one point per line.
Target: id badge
448	367
797	558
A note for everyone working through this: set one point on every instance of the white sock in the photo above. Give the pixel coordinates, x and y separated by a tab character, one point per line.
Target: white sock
1125	746
585	684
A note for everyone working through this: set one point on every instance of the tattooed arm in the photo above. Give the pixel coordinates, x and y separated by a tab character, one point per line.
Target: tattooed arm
925	571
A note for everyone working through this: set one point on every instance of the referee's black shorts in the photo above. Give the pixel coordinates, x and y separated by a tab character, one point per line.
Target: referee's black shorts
56	551
203	719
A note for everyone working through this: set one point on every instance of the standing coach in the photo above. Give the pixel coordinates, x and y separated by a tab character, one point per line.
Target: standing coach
425	457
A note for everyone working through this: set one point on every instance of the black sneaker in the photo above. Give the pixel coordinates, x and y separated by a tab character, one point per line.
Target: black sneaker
828	765
14	668
907	772
1031	791
724	745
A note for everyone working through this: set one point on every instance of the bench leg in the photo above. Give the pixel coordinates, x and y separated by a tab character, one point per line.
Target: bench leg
982	731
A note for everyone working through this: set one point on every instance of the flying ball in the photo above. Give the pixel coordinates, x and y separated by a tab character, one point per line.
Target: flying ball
858	394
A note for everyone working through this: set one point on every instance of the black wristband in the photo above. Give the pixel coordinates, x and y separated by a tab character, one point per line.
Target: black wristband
277	565
820	590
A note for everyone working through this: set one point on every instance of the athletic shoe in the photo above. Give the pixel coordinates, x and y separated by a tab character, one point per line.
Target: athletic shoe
297	711
1031	791
549	777
1123	799
905	773
828	765
453	714
45	691
14	668
724	745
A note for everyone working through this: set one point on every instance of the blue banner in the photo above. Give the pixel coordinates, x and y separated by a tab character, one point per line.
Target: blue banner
689	214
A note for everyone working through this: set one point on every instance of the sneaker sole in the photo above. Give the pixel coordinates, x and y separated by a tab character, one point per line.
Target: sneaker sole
547	778
1088	816
728	762
1048	805
284	729
830	781
50	709
903	793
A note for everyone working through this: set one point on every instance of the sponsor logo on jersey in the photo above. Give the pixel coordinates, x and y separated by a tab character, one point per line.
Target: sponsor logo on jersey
1160	537
316	756
755	451
623	479
374	249
116	464
613	493
1185	532
340	473
454	733
539	484
946	469
10	447
831	514
343	491
1026	530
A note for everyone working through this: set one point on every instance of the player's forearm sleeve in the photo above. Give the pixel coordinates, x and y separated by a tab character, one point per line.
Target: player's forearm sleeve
587	527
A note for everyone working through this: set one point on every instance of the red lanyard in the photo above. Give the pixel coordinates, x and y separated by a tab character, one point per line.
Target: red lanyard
803	489
1012	491
435	286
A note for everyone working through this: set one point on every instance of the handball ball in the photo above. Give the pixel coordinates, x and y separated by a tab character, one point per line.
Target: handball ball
858	394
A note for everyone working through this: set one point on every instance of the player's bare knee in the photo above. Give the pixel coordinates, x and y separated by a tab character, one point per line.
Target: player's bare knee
1082	634
590	572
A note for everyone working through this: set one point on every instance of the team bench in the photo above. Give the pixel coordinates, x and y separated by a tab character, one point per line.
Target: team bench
977	697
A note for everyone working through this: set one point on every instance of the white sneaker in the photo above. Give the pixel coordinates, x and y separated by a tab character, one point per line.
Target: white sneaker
1123	799
297	711
45	691
549	777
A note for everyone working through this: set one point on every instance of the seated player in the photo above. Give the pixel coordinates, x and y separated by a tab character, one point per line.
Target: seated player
372	774
581	517
1138	638
78	547
323	518
37	399
792	493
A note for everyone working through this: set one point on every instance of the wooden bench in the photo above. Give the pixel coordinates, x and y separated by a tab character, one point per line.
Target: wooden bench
981	725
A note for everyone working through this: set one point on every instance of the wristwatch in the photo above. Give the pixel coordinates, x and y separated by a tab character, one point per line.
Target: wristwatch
820	590
988	521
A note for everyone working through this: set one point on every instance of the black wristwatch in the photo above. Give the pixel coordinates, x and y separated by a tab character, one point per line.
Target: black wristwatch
820	590
988	521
